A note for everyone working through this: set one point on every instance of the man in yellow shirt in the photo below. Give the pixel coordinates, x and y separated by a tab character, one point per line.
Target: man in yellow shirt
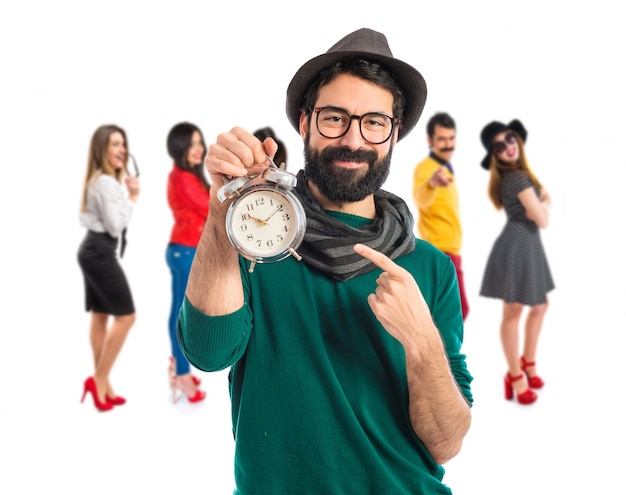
436	197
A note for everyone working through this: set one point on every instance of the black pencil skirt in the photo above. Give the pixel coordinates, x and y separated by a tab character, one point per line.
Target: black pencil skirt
106	287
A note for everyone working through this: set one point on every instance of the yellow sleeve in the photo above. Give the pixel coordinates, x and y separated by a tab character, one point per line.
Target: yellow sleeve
423	193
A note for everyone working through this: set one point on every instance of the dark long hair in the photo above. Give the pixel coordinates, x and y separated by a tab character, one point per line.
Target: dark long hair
280	158
178	144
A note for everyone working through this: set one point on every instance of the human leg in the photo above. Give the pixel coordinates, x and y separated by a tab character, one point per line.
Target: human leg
179	259
107	292
106	345
111	347
97	336
534	323
509	336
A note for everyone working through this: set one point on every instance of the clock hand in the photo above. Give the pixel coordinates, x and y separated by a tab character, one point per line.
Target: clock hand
264	222
277	209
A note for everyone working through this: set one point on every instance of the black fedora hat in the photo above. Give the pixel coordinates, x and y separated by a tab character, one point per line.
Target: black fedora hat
494	128
371	45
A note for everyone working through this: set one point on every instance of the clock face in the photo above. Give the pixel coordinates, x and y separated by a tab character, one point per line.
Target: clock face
264	223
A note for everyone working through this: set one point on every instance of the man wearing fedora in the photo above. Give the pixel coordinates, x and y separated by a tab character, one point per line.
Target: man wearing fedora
352	381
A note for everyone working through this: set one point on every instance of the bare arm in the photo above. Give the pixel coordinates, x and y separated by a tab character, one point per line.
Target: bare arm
536	208
545	198
438	410
214	286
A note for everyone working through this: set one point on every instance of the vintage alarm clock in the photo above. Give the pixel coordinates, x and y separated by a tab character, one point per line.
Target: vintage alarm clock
265	221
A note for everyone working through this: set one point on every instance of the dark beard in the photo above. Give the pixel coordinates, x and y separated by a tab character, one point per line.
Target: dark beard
339	184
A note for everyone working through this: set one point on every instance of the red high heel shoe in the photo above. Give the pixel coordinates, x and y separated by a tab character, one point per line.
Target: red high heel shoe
90	386
118	400
198	396
525	398
196	381
533	381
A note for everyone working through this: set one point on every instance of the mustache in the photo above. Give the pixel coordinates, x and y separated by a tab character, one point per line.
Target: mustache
445	150
345	155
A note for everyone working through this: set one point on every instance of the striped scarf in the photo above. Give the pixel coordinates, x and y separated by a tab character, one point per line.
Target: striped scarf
328	242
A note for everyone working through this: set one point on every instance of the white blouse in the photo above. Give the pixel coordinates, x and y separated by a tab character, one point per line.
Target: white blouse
108	208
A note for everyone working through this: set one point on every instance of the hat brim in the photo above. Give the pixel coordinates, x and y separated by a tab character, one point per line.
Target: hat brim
410	80
491	130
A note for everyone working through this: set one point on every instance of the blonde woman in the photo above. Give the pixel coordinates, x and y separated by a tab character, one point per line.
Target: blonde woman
517	269
106	210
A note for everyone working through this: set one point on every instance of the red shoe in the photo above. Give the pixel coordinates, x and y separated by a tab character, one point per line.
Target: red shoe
196	380
533	381
118	400
525	398
90	386
198	395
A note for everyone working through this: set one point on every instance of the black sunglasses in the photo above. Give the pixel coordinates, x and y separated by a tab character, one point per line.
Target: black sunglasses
500	146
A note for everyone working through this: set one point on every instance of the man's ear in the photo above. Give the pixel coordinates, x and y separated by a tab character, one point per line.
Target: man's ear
394	138
304	124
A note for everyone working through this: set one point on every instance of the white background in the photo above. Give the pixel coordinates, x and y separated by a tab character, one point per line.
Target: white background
69	66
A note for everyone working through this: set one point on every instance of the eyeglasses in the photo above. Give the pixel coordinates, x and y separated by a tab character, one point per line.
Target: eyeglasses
333	123
500	146
135	168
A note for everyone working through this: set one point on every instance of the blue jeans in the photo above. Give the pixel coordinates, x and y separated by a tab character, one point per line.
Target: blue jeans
179	260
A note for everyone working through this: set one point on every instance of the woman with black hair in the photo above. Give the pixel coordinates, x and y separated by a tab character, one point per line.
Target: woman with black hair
280	157
188	199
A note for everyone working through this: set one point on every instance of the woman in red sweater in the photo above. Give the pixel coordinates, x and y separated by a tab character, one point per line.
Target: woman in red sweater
188	198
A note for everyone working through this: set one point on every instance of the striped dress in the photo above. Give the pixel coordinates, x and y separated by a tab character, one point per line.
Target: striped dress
517	268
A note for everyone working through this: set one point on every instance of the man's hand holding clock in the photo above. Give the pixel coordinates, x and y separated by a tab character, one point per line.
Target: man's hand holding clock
265	222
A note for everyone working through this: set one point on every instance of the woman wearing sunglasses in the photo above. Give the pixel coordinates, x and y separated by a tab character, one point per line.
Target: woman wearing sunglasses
517	270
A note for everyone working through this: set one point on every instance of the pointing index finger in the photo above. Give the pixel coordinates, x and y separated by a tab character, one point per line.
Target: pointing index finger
376	257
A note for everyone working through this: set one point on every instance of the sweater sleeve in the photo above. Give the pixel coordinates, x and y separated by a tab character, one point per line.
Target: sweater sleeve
213	343
423	192
448	316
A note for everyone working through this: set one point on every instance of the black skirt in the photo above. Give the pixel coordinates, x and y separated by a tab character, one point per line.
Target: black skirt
106	287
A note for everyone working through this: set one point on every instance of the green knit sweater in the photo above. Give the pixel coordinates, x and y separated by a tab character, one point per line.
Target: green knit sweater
318	387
